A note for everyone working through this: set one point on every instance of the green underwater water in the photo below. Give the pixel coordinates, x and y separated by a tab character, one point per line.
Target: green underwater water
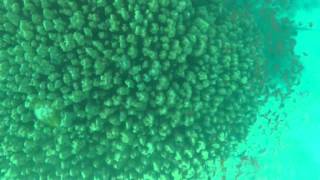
288	147
159	89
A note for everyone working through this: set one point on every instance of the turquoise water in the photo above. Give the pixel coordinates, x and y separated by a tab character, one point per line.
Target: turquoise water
160	89
291	151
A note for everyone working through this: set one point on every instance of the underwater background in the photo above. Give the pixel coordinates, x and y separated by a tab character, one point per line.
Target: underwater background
291	151
159	89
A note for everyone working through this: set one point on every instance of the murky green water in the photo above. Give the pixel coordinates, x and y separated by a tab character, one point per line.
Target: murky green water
159	89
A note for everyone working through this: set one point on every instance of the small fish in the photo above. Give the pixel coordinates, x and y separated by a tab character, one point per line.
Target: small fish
306	27
251	161
311	24
303	93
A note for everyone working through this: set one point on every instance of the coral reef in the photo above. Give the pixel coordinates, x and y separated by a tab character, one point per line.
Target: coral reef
124	89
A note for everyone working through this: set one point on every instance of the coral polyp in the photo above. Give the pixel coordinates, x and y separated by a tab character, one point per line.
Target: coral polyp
46	114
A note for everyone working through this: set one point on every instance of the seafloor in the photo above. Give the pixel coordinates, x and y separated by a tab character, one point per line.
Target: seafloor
290	151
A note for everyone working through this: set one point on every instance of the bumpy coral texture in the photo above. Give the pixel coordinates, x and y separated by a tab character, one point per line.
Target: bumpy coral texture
123	89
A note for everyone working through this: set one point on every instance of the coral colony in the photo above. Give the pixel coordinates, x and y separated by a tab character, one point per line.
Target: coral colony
124	89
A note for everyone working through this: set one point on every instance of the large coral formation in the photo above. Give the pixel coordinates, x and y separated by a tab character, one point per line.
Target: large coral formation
140	89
